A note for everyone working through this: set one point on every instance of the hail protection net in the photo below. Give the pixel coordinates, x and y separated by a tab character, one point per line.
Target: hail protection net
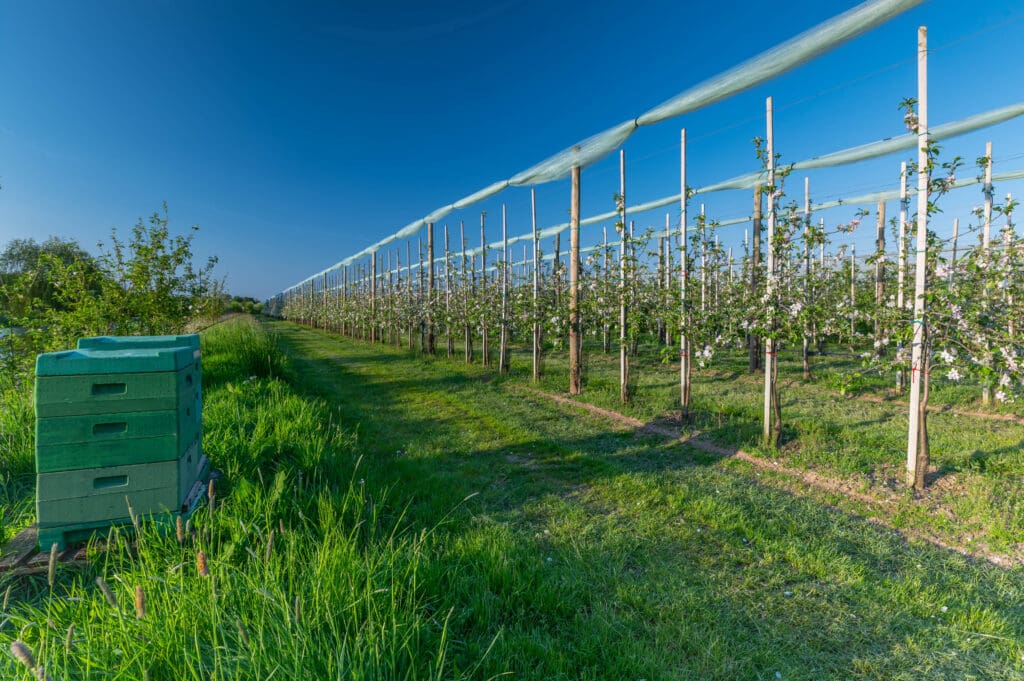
769	64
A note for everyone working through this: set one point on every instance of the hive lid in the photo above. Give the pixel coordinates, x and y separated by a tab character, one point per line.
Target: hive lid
128	361
190	340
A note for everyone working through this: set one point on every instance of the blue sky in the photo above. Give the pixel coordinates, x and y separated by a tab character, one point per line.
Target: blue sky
297	134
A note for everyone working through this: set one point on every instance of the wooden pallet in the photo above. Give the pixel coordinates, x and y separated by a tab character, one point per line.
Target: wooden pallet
21	555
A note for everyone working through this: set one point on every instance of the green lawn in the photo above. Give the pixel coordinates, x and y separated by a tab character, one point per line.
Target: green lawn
439	522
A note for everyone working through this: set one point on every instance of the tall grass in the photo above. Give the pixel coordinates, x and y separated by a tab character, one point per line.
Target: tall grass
311	575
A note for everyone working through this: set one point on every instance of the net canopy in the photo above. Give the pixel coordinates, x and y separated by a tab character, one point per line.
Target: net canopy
755	71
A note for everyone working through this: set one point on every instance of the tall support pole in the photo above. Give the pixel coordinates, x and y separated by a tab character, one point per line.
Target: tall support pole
467	289
806	349
853	292
606	336
536	287
771	425
373	297
422	298
344	300
901	269
323	304
685	367
431	330
623	356
575	341
667	280
391	300
408	290
917	435
879	274
986	242
505	269
485	344
450	342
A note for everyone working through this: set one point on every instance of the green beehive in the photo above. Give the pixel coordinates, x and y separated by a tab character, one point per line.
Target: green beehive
117	426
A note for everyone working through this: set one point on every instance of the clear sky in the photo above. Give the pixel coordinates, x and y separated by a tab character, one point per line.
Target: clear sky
297	133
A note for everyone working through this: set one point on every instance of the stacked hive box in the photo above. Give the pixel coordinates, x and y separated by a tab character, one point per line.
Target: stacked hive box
116	427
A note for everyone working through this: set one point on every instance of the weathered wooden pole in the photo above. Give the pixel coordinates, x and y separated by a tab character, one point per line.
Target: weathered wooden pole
431	330
450	343
685	359
536	288
806	349
772	427
485	344
623	356
917	435
575	341
879	275
468	289
901	270
503	354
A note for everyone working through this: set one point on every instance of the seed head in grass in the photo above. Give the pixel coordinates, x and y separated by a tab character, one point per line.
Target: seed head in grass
204	569
69	638
22	654
140	602
270	547
107	593
179	530
243	633
51	570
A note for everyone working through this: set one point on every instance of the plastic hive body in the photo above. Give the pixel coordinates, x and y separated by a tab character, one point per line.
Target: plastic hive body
118	424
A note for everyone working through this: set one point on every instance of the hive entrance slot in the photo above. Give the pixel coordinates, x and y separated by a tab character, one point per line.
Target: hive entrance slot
109	388
110	428
110	481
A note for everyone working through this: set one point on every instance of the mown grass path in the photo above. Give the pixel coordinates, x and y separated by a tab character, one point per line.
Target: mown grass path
585	550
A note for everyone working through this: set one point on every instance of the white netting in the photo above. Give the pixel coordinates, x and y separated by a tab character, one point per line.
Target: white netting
750	73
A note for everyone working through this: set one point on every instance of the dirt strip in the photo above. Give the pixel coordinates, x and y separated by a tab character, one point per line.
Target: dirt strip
809	478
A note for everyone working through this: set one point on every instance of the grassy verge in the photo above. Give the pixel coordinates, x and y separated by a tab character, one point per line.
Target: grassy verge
312	574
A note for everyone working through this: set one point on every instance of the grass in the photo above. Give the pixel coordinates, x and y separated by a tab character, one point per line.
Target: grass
440	523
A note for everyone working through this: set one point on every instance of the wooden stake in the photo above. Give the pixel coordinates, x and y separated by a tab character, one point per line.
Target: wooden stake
448	295
772	428
917	434
485	344
685	361
901	267
431	331
536	288
754	343
623	356
503	349
575	342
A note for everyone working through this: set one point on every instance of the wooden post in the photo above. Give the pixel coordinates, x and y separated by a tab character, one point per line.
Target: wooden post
422	297
901	268
753	342
373	298
431	331
467	289
485	345
503	350
879	274
853	292
575	342
667	282
536	288
685	361
448	295
408	290
806	349
772	427
917	435
606	336
623	356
